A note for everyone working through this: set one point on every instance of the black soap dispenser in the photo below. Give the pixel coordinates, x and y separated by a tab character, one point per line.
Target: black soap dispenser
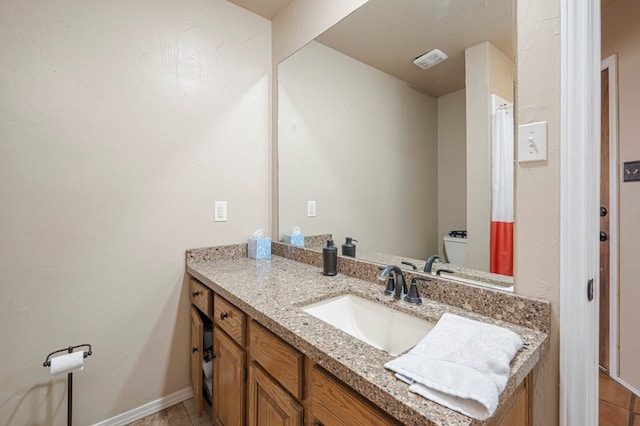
330	259
348	248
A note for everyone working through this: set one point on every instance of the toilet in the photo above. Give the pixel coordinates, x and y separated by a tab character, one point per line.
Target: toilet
456	250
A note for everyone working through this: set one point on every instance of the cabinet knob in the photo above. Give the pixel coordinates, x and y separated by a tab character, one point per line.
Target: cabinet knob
223	315
196	293
194	350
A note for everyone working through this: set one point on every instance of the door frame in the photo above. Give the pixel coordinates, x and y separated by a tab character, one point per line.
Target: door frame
579	203
611	63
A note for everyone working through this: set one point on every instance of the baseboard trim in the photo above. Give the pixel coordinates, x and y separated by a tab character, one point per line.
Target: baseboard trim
148	408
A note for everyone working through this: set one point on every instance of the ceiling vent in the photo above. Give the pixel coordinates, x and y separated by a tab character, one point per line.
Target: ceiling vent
430	59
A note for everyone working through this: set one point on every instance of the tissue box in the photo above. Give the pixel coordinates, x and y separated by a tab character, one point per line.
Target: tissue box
259	248
294	239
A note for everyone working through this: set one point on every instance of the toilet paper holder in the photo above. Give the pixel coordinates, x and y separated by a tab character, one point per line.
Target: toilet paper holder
47	363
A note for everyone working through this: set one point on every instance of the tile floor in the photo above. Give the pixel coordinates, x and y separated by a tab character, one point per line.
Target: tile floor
183	414
618	405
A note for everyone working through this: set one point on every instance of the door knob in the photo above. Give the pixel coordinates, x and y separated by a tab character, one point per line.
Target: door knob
194	350
603	211
603	236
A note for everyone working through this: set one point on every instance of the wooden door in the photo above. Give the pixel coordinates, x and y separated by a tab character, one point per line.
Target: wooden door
196	358
269	404
229	373
604	223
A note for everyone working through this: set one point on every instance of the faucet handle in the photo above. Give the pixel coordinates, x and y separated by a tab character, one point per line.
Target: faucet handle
413	266
446	271
391	285
413	296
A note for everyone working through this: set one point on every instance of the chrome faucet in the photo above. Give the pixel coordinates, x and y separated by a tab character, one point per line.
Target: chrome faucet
399	286
433	259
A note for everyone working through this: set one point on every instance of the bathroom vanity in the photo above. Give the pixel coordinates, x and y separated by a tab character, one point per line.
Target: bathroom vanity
275	363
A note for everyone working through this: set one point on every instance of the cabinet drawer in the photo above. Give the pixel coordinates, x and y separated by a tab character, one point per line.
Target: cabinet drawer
201	296
280	360
230	319
332	402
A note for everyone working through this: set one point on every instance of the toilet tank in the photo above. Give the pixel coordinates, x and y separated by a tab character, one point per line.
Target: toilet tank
456	250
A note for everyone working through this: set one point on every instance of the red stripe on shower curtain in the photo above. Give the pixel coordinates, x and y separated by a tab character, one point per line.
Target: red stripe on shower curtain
502	248
501	259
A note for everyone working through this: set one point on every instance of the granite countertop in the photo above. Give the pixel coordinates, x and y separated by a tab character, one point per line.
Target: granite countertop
271	291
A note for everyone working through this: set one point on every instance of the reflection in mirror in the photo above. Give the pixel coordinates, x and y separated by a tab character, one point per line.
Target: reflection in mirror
394	155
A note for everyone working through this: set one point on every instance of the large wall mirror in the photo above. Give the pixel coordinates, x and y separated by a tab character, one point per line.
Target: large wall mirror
393	155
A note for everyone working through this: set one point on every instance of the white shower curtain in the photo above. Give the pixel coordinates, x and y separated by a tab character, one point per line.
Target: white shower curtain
502	191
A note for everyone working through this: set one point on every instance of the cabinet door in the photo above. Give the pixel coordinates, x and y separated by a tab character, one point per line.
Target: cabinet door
334	403
196	358
229	373
269	403
516	411
517	415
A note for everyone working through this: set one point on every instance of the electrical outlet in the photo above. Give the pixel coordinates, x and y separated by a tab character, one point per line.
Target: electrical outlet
311	208
631	171
220	211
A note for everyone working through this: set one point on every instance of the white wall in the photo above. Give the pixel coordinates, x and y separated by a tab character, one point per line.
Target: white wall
120	123
621	35
537	190
363	145
487	71
452	164
295	26
303	20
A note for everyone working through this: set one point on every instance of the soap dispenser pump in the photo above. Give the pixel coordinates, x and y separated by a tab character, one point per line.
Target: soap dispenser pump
330	259
348	248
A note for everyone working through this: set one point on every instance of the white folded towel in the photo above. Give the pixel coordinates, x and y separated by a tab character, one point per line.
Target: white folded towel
461	364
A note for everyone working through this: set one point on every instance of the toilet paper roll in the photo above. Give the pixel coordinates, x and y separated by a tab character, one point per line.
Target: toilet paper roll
67	363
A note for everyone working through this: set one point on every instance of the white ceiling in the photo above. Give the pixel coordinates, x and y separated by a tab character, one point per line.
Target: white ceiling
389	34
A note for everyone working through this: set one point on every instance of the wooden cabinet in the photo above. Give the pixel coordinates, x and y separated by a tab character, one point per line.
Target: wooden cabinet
275	379
230	319
281	386
229	374
268	403
516	412
197	337
278	358
201	297
334	403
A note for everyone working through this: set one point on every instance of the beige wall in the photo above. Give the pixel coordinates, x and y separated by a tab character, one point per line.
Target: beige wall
537	213
121	123
452	164
487	71
621	35
363	145
295	26
303	20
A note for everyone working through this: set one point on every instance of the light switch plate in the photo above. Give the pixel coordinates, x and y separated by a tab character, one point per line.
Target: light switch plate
532	142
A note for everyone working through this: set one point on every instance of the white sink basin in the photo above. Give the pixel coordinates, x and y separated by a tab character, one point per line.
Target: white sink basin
373	323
